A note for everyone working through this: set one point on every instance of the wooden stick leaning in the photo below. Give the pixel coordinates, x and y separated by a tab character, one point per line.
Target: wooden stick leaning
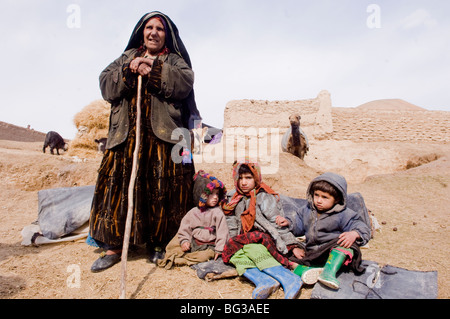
126	238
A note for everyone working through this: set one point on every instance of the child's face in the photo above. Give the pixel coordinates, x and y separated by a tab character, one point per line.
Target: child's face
213	198
323	201
246	182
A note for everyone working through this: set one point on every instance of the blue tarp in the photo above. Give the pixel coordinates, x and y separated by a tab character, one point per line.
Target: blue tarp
381	282
64	210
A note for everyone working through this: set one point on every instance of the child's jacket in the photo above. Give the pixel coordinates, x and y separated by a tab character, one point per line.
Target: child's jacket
320	230
267	209
205	224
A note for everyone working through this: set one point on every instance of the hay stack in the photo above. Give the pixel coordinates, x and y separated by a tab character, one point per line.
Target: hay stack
92	123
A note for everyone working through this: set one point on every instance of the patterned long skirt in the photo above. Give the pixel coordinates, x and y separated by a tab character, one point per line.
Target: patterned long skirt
162	193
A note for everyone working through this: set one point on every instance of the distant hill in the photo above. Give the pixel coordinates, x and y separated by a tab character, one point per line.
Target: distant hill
13	132
390	104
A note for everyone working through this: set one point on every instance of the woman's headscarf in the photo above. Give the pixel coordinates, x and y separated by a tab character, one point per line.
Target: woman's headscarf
248	216
190	112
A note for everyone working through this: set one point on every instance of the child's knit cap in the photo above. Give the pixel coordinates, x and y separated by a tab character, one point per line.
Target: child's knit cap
204	184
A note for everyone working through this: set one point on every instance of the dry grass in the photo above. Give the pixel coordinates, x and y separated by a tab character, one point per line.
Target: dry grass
92	123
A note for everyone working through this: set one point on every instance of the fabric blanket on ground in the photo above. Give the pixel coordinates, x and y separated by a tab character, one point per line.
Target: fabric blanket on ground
381	282
32	235
175	256
61	211
214	269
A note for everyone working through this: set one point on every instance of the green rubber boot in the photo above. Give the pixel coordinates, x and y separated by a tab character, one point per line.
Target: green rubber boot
309	275
333	264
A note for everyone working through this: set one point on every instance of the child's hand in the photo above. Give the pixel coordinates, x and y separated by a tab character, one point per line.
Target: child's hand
281	221
217	256
186	246
298	252
348	238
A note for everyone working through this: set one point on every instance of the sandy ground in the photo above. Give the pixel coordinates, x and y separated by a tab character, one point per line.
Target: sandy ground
411	204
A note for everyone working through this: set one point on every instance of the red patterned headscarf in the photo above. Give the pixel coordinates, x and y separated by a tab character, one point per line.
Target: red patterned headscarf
248	216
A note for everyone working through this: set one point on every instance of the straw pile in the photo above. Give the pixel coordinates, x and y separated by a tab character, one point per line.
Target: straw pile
92	123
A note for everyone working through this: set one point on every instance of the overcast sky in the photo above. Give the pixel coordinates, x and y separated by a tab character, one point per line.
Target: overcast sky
53	52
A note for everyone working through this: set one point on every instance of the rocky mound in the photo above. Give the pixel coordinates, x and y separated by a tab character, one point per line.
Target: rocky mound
390	104
12	132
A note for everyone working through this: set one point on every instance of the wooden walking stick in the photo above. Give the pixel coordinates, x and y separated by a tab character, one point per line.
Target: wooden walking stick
126	238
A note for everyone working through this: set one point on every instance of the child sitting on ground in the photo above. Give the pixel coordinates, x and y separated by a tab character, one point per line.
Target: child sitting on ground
203	231
257	244
333	232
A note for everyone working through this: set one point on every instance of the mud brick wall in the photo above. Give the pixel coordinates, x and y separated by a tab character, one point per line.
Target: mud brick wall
390	125
316	117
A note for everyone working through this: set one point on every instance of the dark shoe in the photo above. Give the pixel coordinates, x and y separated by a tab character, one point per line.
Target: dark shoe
155	253
105	262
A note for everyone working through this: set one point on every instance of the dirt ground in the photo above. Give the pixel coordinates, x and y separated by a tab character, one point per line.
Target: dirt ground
412	206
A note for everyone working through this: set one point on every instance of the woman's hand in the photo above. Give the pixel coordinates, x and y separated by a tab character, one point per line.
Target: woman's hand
142	66
144	69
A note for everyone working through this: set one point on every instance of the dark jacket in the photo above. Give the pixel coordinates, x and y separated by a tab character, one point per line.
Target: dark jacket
175	84
322	229
171	80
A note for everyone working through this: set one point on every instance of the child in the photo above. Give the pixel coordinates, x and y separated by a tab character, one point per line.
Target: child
203	231
255	237
333	232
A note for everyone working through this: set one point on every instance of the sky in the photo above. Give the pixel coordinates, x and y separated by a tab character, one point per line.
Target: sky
53	52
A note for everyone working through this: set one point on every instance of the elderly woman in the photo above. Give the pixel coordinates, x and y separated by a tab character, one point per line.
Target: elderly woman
163	188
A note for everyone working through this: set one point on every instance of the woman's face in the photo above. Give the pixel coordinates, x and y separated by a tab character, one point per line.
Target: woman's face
154	36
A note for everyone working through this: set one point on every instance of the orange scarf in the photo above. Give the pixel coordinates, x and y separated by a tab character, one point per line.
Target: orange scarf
249	215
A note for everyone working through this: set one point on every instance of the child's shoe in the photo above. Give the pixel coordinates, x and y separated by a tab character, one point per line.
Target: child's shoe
291	283
333	264
265	285
309	275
